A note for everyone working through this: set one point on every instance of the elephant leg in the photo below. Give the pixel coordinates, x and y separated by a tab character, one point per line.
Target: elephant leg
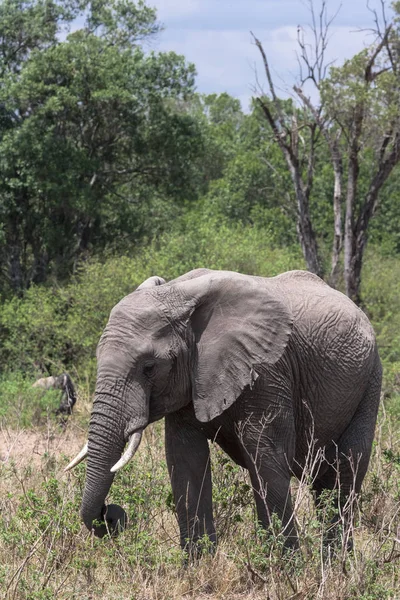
188	460
274	498
348	464
269	446
335	493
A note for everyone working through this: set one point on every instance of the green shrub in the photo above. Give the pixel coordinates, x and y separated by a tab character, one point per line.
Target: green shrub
57	328
23	405
381	296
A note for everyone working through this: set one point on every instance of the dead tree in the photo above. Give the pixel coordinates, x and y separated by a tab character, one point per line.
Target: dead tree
285	131
346	120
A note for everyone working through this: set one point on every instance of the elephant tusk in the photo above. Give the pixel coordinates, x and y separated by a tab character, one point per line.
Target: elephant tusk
78	458
129	452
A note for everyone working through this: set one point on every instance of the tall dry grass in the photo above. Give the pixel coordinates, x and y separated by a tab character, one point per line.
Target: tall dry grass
45	552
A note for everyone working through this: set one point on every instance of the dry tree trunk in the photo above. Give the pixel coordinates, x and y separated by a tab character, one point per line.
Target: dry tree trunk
344	134
286	136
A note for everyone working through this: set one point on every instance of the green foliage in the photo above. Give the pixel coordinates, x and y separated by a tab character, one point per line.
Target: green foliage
104	145
57	328
30	25
52	329
385	231
381	291
247	182
90	135
232	493
21	405
39	328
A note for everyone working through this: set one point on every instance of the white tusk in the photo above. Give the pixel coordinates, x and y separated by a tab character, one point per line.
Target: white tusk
78	458
129	452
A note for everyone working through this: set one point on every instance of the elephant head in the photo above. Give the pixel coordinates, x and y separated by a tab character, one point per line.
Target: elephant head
198	339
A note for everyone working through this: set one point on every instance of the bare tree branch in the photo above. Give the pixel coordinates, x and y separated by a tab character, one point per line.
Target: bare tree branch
332	138
315	63
345	126
287	136
270	82
369	76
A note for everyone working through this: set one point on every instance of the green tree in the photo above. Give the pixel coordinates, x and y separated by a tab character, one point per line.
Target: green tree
92	142
248	182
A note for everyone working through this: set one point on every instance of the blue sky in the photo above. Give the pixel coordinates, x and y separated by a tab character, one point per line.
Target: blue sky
215	36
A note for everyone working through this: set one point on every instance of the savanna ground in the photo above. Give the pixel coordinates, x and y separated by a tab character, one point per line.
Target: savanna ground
46	553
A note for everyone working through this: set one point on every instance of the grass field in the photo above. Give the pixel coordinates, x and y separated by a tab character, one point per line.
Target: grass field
46	553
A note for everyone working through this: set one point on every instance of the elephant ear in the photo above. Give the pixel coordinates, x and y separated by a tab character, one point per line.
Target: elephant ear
240	325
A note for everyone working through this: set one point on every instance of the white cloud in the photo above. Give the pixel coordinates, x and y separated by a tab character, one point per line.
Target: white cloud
172	9
241	14
229	61
215	36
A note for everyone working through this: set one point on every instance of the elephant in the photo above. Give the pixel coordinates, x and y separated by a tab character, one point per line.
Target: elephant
281	372
61	382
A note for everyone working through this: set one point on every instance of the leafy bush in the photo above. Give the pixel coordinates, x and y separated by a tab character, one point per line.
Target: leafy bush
52	329
57	328
381	294
22	405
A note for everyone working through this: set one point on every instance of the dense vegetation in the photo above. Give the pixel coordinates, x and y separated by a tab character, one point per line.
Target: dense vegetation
112	169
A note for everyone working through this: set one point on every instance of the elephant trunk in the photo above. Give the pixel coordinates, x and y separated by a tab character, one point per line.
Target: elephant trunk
107	437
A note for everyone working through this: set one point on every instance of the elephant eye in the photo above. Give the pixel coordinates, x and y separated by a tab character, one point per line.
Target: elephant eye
148	368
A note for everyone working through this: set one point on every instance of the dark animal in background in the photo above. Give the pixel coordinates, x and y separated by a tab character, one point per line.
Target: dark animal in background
64	383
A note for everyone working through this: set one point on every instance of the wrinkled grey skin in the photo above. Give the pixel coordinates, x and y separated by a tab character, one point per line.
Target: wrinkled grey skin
263	366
